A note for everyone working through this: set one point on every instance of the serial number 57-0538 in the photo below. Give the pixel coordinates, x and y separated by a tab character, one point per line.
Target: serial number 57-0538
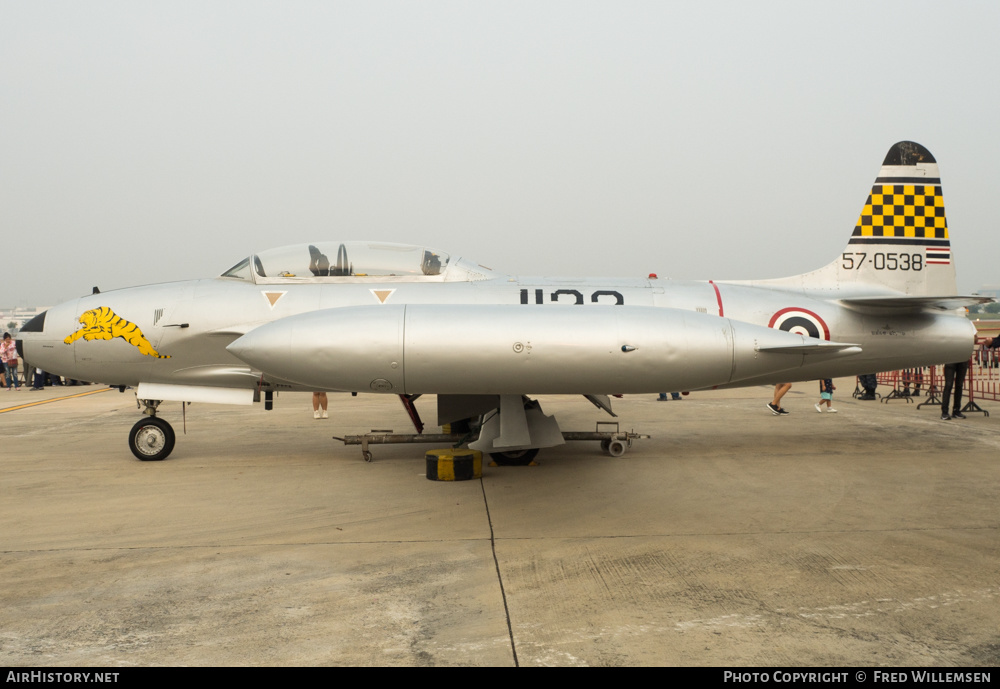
880	261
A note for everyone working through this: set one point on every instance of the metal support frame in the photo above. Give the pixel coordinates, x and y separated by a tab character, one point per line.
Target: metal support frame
381	436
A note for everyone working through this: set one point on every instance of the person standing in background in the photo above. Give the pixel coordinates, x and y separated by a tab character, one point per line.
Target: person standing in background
8	354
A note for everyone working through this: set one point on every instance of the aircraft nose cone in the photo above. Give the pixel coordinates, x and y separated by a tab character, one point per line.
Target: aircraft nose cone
29	331
35	325
40	341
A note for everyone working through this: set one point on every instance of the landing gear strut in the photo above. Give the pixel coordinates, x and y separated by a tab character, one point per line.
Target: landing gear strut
151	439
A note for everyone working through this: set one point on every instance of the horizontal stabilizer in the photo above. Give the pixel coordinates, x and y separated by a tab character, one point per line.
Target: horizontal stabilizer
904	303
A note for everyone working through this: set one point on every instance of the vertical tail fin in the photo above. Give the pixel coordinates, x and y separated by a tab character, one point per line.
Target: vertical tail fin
900	242
901	237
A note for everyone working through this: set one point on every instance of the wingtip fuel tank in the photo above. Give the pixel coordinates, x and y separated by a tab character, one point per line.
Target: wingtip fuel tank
465	349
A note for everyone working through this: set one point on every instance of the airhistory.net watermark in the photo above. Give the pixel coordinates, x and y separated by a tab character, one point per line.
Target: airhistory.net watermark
61	677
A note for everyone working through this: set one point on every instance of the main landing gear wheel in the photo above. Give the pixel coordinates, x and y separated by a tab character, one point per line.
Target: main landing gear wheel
514	458
151	439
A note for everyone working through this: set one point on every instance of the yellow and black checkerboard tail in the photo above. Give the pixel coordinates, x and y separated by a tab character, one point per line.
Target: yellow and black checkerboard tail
901	237
905	207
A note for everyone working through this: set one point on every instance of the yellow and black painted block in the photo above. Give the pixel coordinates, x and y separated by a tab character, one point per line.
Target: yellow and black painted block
454	465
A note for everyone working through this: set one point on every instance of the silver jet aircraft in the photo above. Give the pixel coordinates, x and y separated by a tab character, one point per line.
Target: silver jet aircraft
408	320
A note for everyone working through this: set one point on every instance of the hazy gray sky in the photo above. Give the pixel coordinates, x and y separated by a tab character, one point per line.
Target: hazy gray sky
151	141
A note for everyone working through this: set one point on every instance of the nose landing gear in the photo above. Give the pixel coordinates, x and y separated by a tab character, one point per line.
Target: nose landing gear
151	439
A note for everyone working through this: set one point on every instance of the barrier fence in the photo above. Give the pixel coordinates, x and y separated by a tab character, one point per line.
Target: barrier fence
982	382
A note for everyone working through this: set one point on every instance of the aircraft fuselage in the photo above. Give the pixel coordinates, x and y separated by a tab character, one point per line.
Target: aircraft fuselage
532	335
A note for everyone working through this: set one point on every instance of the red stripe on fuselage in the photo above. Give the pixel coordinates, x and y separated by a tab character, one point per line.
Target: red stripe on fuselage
718	297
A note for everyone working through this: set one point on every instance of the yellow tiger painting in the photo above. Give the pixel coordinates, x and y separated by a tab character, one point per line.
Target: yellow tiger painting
103	324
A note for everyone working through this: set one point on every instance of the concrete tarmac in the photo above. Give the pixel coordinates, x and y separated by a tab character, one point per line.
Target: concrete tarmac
730	538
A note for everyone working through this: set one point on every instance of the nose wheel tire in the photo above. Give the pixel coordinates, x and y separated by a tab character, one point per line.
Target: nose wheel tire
151	439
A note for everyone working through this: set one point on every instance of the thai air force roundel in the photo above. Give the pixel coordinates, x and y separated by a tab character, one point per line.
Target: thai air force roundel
800	322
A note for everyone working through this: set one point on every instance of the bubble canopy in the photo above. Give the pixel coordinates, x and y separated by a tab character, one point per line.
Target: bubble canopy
328	261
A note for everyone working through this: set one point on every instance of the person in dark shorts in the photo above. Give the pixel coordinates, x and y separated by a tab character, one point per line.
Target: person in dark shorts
826	388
